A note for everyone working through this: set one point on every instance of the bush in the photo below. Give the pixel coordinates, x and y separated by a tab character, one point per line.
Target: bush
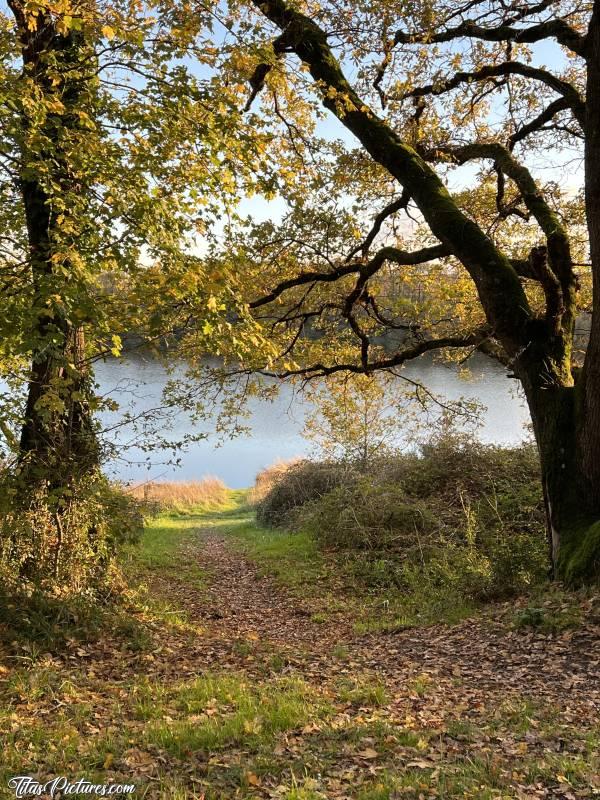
459	514
301	483
370	516
61	543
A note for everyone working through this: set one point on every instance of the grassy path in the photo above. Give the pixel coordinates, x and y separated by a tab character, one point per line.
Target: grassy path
241	668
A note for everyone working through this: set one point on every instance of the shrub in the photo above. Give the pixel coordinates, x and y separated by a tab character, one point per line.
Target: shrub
462	516
301	483
370	516
62	542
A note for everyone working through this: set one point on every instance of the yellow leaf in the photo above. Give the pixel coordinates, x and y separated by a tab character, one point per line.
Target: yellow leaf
252	779
108	32
108	761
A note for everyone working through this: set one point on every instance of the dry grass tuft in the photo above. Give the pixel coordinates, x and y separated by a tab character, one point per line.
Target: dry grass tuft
207	492
267	478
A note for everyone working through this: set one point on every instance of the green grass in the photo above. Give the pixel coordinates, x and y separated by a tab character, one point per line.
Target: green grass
292	558
273	731
295	561
551	609
229	711
362	690
160	547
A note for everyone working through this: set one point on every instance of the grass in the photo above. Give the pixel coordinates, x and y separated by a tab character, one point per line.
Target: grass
552	609
330	583
362	690
136	703
228	711
207	493
160	548
292	558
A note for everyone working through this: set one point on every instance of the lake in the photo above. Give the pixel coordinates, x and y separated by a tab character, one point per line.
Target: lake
276	427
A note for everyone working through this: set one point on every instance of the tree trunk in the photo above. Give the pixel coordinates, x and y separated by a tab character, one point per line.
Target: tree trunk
59	446
57	438
567	419
589	430
571	498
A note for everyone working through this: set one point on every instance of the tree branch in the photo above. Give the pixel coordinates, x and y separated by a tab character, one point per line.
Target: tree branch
366	270
551	29
536	124
475	338
568	92
556	272
393	207
499	287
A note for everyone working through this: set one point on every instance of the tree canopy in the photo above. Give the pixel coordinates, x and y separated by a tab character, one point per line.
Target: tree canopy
504	248
424	179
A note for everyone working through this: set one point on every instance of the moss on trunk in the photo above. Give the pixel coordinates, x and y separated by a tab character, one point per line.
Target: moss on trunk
578	559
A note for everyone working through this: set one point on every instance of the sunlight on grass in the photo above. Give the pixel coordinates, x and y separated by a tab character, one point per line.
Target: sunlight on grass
294	560
228	710
253	729
208	492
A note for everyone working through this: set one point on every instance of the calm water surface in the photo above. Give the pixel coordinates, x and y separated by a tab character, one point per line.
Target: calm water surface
276	427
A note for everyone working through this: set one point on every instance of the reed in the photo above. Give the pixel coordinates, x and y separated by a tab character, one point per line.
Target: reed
209	491
267	478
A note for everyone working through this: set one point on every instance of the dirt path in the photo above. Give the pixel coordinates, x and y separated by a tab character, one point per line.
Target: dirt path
462	671
473	711
245	603
437	678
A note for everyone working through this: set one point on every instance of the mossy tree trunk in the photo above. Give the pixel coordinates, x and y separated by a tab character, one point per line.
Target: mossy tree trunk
572	509
570	436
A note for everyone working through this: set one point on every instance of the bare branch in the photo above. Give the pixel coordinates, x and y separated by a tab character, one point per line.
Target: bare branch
537	124
475	338
551	29
393	207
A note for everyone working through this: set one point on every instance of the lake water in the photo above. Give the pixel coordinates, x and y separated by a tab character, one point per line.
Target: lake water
276	427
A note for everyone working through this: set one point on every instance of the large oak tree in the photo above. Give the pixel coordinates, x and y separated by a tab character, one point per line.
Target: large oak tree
434	85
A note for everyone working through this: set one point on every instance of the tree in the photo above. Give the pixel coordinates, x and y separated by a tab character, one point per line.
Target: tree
351	419
115	158
57	108
456	84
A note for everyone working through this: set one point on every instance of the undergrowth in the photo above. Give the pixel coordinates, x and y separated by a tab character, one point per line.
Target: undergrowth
454	524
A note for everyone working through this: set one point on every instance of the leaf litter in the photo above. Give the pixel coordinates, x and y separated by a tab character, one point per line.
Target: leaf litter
480	709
